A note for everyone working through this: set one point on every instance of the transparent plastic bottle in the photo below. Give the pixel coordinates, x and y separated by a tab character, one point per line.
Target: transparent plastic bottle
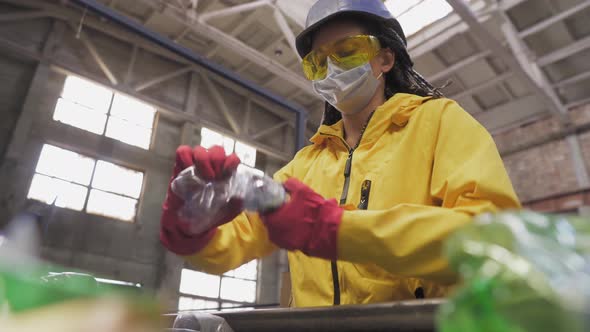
204	200
522	272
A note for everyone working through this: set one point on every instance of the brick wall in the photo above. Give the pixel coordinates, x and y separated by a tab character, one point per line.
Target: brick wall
538	159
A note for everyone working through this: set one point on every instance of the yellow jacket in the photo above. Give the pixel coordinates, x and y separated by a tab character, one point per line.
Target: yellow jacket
431	167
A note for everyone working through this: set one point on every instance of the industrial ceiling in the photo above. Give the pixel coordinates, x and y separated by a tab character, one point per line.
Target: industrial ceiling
514	62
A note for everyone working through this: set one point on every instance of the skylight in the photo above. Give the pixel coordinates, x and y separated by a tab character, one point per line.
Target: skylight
413	15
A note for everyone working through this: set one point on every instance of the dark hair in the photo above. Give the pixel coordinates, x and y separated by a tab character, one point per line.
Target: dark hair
402	78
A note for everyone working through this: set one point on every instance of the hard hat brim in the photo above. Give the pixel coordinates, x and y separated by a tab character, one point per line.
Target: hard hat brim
304	39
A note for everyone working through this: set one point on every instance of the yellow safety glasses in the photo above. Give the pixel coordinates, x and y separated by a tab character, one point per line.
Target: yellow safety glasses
347	53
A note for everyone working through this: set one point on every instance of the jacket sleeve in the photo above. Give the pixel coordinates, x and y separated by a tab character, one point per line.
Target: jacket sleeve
468	178
237	242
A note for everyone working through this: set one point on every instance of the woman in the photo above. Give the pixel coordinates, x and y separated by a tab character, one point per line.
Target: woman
407	165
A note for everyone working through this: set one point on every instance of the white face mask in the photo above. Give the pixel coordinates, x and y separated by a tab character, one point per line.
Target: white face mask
348	90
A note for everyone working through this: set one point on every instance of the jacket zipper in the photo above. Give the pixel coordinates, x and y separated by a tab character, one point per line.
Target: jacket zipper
343	198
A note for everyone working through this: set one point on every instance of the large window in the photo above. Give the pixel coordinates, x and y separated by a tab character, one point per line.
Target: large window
96	109
237	288
413	15
80	183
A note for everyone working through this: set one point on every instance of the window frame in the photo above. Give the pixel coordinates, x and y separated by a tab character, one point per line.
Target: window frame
94	156
221	301
108	113
235	142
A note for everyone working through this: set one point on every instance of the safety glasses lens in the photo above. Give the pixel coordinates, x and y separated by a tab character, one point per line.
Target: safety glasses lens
347	54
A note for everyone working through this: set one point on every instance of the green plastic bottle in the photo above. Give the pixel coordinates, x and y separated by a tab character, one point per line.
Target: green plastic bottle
35	287
522	272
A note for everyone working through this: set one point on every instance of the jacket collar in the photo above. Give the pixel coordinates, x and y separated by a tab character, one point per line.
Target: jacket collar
397	110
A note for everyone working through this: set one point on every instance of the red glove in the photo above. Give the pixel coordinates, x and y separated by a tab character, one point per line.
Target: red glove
307	222
210	165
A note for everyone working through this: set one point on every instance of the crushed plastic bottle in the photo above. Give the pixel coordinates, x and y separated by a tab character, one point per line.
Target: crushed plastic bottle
203	200
522	272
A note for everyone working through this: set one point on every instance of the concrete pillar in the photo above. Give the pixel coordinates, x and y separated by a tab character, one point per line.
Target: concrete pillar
578	161
187	134
170	271
30	109
14	191
269	280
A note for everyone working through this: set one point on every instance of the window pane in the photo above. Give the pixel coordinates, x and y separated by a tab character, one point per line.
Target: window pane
187	303
87	93
238	290
228	145
46	189
246	153
79	116
128	133
117	179
198	283
247	271
111	205
210	138
65	165
133	110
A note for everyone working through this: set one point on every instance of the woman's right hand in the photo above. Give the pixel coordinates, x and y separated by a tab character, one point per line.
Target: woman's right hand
210	165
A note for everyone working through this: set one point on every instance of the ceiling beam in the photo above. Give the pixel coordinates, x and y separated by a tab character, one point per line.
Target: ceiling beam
164	78
572	80
577	103
486	84
509	4
441	31
516	64
455	67
287	32
167	109
265	49
249	6
232	43
236	30
564	52
69	14
96	55
218	99
130	66
511	112
554	19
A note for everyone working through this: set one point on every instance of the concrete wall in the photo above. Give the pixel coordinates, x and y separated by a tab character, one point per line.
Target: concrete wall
109	248
15	74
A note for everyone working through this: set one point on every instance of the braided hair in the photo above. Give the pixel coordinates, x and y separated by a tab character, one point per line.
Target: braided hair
402	78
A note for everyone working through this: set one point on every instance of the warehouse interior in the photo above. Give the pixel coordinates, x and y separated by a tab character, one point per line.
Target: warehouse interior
92	113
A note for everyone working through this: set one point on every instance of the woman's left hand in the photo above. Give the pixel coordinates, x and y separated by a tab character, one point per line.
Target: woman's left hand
306	222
